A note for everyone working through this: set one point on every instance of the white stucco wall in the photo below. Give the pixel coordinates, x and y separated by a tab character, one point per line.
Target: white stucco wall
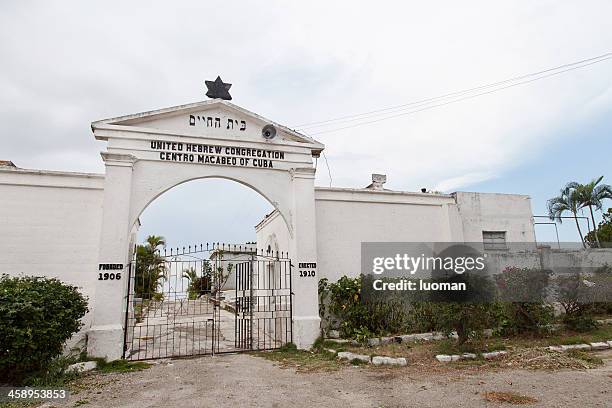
50	226
495	212
348	217
272	231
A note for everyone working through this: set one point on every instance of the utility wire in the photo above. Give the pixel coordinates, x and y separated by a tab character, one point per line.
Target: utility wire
428	102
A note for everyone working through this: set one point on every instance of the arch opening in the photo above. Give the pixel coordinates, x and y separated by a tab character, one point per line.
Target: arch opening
209	285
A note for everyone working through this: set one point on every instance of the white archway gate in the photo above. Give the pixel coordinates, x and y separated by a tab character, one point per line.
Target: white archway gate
149	153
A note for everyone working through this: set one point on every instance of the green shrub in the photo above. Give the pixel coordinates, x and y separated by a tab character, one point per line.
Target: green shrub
466	312
576	296
522	292
359	315
423	317
468	320
37	315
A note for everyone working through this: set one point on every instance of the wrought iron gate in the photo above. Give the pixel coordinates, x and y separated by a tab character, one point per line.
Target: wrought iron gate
181	302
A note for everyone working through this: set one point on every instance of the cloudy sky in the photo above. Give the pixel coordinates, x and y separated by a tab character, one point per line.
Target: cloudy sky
68	63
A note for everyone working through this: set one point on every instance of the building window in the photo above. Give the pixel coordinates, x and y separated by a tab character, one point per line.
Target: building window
494	240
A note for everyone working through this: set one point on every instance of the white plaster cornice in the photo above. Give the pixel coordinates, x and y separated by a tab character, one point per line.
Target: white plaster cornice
116	159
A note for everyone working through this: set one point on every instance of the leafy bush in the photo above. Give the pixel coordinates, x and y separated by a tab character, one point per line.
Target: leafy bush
467	312
468	320
37	315
423	317
576	296
522	292
604	232
357	316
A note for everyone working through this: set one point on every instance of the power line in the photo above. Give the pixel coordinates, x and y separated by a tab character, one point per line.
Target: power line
427	103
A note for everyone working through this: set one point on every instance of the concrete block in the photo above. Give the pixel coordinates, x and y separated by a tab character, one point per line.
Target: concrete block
493	355
468	356
407	338
455	357
373	342
82	366
444	358
558	349
387	340
381	360
352	356
584	347
599	346
333	334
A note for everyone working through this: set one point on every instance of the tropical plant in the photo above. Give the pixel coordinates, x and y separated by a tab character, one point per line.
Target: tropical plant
602	236
567	201
199	285
592	195
150	267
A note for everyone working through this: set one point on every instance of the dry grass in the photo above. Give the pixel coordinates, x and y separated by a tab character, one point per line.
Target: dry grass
302	360
509	397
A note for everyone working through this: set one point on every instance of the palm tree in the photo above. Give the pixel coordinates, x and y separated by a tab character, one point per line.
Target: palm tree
592	195
155	241
566	201
150	267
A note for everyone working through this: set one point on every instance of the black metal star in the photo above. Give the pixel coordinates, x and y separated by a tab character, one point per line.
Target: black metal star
218	89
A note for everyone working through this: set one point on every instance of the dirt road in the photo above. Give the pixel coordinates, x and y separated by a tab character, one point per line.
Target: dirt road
249	381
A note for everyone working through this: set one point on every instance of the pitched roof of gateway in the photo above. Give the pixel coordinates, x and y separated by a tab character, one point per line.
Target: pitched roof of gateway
192	107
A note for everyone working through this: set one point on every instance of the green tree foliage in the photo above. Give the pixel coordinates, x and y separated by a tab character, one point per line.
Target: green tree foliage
522	292
37	315
582	295
603	235
199	284
359	316
150	268
210	279
592	195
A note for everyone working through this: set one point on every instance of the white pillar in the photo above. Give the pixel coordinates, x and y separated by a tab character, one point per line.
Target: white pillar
306	320
105	337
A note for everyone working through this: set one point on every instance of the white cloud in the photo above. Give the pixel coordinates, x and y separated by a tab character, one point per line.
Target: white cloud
66	64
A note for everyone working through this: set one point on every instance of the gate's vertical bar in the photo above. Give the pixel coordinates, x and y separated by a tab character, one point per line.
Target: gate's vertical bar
291	298
236	305
127	311
251	302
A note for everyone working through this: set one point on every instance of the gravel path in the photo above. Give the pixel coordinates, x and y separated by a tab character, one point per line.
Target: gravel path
243	380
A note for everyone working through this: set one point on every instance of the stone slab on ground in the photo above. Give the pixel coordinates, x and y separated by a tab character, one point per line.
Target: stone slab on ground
333	334
583	347
494	354
599	346
82	367
347	355
382	360
446	358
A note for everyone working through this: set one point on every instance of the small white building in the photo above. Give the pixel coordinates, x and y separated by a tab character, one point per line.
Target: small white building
346	217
